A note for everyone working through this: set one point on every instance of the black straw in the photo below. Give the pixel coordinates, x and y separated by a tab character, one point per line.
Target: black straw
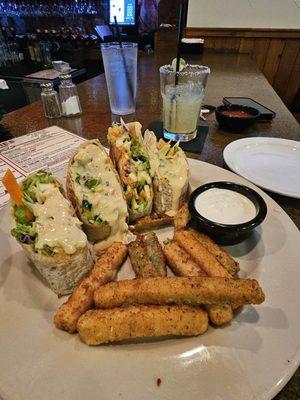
180	32
130	87
118	32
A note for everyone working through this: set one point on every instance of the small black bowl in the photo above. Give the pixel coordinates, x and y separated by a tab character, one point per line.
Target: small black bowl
236	123
222	233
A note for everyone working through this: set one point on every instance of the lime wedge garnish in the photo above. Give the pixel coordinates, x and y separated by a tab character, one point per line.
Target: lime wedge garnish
182	64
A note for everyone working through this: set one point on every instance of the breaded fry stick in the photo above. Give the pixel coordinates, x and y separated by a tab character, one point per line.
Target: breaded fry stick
180	261
221	255
182	217
219	314
152	222
200	254
155	253
103	326
81	299
140	261
177	290
182	265
213	268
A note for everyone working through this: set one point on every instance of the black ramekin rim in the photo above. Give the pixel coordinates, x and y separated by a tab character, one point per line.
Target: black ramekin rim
235	107
245	190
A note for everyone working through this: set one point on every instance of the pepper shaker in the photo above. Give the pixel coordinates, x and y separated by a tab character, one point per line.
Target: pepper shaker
50	101
68	96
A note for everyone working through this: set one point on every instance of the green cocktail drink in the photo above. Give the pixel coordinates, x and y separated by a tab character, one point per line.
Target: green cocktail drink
182	101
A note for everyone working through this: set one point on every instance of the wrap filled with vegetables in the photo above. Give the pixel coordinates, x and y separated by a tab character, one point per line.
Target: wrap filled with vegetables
95	190
45	224
132	163
170	172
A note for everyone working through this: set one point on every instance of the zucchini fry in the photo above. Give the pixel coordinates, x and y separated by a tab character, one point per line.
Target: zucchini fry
200	254
179	290
152	222
205	252
155	253
182	265
221	255
182	217
81	299
180	261
140	262
146	256
103	326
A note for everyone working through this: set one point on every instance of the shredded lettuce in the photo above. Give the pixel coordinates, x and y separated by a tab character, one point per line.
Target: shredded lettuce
30	184
24	233
144	166
138	205
176	148
98	219
92	182
137	151
48	250
141	205
20	215
135	148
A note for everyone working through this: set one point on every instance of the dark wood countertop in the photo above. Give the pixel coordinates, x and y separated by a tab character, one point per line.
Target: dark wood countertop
232	75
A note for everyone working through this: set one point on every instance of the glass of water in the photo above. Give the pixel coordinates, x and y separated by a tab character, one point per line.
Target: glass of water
120	66
182	98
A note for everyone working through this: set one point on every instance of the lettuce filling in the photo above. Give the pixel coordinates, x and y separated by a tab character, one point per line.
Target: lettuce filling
24	230
31	184
24	233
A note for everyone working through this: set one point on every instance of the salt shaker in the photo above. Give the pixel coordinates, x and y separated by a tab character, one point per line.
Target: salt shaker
68	96
50	101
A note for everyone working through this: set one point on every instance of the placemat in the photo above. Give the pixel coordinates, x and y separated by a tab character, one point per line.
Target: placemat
194	146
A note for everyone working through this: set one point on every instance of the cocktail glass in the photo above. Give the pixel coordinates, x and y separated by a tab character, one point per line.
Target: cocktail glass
182	98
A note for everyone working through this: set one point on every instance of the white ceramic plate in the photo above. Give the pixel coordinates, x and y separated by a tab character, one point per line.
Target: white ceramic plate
271	163
252	358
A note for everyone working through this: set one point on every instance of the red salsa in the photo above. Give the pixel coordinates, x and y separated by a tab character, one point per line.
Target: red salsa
237	114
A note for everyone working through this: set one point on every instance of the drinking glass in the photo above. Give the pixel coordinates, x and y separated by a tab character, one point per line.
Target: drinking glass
182	98
120	66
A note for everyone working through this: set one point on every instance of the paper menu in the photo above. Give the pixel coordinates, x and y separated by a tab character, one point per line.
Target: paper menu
48	149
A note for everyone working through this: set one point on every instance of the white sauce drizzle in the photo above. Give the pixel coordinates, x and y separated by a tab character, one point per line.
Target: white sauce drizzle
106	198
176	171
55	223
174	168
225	206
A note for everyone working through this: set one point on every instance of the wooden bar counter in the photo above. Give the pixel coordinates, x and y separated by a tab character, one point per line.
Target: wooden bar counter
232	75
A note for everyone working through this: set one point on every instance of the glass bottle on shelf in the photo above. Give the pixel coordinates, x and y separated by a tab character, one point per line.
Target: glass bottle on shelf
50	100
68	96
31	48
36	47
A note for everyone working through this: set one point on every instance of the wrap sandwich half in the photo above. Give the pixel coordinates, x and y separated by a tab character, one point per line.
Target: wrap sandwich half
132	163
95	190
170	172
45	224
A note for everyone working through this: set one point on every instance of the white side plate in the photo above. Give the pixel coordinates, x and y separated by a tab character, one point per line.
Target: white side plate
251	358
271	163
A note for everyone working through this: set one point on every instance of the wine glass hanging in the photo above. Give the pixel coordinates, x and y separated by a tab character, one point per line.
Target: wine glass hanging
47	8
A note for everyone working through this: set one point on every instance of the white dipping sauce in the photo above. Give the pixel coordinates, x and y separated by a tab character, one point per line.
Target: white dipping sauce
225	206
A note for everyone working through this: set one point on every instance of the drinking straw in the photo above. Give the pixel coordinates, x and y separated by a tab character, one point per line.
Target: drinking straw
130	88
180	31
118	33
173	110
